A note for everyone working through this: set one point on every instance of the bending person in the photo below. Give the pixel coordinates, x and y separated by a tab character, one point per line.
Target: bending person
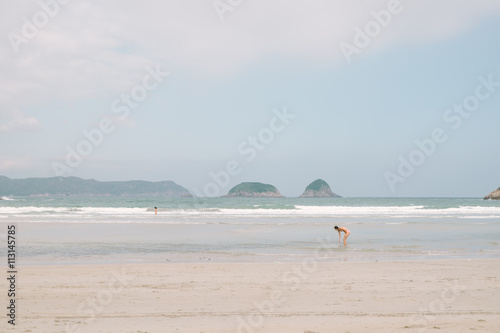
345	231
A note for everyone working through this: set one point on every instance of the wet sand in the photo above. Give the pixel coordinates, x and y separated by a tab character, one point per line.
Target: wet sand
390	296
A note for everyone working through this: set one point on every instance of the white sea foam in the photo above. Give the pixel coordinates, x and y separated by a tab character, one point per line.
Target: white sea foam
368	211
375	212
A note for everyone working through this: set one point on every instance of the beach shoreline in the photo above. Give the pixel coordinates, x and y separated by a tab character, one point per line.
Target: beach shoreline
453	295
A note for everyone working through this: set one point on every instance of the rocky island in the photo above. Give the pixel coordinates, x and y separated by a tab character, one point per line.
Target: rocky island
319	189
495	195
254	190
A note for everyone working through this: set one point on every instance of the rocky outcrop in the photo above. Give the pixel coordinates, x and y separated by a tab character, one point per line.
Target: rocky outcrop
254	190
319	189
495	195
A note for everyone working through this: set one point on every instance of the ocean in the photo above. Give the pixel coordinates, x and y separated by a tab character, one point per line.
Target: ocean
89	230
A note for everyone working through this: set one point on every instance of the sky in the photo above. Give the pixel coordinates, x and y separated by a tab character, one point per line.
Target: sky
378	98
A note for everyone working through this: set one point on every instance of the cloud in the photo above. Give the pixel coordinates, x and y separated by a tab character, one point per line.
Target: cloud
92	49
125	122
190	34
20	125
17	162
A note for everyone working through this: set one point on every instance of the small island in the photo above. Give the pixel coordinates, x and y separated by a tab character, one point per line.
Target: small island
495	195
254	190
319	189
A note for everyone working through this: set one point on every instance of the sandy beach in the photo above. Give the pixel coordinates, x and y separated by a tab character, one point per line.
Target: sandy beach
408	296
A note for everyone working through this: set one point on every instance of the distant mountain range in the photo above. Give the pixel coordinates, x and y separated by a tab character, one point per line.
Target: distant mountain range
74	186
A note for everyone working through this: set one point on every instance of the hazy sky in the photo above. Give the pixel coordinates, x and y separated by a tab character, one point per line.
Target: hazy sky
378	98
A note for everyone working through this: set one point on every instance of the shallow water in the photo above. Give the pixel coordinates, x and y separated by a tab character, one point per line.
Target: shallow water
93	230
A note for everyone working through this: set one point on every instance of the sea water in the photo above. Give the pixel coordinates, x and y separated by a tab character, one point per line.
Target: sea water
80	230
